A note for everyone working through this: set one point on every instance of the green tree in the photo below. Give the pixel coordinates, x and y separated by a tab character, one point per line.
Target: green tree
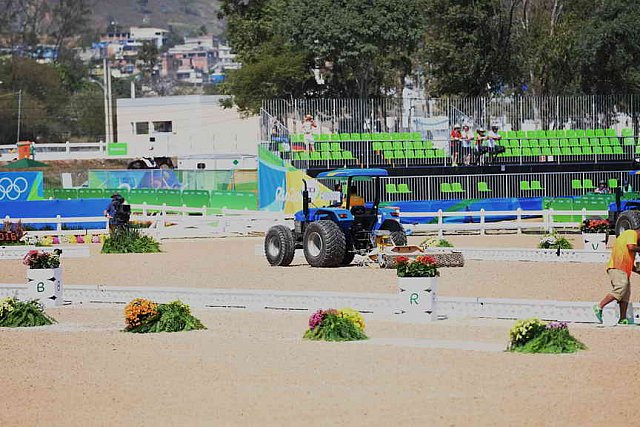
148	55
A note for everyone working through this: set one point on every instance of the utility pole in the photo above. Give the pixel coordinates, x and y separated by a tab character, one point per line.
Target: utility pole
108	113
19	114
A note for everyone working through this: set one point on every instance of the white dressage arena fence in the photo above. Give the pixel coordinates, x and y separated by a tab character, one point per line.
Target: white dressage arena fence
63	150
540	220
531	255
18	252
386	307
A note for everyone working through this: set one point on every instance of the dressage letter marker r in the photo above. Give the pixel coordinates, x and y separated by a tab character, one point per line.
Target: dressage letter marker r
413	299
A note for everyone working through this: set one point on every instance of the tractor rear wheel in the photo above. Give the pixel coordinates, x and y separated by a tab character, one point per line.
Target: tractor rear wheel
279	246
399	238
324	244
628	220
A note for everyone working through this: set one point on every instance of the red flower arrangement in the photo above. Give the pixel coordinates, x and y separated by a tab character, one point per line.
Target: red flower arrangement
421	266
595	226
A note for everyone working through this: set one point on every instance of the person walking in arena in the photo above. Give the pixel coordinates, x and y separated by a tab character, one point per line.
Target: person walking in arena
619	269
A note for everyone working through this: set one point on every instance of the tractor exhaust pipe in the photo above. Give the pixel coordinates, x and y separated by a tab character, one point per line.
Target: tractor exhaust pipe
305	201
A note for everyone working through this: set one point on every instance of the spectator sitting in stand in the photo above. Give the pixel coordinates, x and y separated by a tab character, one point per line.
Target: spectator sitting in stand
454	146
603	188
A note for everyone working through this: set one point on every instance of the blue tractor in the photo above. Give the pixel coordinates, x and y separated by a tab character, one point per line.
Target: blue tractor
624	213
332	236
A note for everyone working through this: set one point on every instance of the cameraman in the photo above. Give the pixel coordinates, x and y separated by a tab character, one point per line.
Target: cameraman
113	211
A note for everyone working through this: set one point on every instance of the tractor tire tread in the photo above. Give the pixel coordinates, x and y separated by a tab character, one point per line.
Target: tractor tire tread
334	244
287	246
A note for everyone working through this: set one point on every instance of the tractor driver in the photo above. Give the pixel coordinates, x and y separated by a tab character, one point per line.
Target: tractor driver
354	199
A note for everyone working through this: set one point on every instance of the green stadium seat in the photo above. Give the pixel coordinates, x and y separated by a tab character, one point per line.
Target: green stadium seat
574	142
336	155
536	151
524	143
535	185
584	142
597	150
386	145
399	154
365	137
420	154
430	154
388	155
335	146
555	142
556	151
325	146
599	132
427	144
570	133
410	154
483	187
295	155
627	132
587	150
65	193
354	137
563	205
610	132
526	151
577	151
418	145
416	136
376	146
407	145
325	155
628	141
345	137
605	141
544	143
520	134
607	150
534	143
445	187
404	189
618	150
546	151
391	188
614	141
590	133
566	151
440	153
524	186
594	142
564	142
456	187
90	193
397	136
587	184
140	196
335	137
315	155
397	145
637	149
511	134
580	133
348	155
576	184
613	183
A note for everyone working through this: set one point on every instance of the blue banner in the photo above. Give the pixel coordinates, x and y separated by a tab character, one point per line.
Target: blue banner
272	184
20	186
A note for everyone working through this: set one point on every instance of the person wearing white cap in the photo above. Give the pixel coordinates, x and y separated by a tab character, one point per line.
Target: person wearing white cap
481	137
455	139
467	139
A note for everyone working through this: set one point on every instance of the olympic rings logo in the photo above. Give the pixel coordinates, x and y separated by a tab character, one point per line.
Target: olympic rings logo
12	190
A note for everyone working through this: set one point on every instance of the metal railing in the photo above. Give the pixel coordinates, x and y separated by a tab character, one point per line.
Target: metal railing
426	115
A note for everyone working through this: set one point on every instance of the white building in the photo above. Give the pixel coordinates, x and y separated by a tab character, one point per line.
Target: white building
183	125
226	59
156	35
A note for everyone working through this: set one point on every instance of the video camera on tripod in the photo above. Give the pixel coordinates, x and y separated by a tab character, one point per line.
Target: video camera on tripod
122	210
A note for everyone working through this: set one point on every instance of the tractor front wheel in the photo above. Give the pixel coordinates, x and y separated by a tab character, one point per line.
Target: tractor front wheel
399	238
628	220
324	244
279	246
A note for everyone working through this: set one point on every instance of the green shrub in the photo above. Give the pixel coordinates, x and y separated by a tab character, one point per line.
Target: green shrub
123	240
20	314
172	317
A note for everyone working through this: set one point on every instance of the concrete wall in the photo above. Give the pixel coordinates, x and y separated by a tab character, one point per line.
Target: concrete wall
199	126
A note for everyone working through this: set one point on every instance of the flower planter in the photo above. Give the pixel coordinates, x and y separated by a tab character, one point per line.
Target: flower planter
595	241
418	299
45	285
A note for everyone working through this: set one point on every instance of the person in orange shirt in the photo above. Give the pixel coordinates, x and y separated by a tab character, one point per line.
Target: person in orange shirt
619	269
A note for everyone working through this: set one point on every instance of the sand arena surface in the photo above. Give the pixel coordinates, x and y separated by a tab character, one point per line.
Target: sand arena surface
254	368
